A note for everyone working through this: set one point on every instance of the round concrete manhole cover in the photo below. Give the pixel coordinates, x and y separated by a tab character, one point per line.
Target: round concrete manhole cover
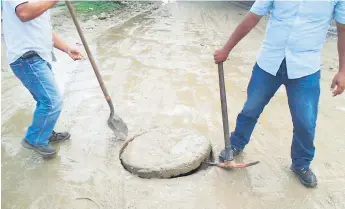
164	153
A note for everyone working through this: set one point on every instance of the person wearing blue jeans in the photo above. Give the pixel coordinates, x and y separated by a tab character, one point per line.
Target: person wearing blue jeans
289	56
30	40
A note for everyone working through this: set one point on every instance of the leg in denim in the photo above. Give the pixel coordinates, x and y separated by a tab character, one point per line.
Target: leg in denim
303	96
261	88
38	78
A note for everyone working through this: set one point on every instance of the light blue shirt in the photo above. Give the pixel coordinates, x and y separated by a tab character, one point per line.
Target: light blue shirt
20	37
296	30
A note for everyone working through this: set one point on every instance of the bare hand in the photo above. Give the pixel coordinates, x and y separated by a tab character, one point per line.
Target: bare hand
220	55
338	84
75	54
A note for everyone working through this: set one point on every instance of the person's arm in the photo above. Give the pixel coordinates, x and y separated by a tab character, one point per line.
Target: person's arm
257	11
338	82
341	47
61	45
249	22
27	11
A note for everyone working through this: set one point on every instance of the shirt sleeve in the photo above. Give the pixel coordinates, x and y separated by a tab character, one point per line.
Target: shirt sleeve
261	7
339	13
14	3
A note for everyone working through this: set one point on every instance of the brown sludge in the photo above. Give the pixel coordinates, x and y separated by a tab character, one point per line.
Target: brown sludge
164	153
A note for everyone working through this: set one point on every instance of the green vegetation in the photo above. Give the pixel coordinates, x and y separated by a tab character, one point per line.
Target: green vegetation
95	7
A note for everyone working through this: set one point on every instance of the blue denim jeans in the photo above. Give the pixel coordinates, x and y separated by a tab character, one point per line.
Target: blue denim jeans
303	98
37	76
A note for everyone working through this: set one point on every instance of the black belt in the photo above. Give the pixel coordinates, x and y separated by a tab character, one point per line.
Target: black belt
29	54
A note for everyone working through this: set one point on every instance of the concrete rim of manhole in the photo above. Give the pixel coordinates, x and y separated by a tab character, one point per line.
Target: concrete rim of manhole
165	153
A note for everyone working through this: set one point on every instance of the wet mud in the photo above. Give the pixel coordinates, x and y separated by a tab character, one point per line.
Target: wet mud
158	67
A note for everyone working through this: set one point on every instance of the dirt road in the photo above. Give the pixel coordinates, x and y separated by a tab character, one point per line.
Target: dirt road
159	69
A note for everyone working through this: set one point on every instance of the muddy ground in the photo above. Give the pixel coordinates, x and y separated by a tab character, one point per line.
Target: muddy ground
158	67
